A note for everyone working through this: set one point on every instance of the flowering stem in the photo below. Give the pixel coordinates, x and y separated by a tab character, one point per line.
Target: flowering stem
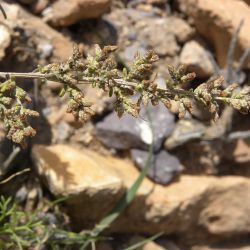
25	75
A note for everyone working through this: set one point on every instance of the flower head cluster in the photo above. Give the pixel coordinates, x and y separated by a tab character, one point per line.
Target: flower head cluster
13	112
131	87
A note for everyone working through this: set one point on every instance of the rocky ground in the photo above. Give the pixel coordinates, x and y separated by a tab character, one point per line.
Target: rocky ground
198	188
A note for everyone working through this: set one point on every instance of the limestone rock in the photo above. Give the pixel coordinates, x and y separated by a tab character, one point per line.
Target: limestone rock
196	58
218	20
128	132
82	175
198	208
62	178
65	13
211	208
85	176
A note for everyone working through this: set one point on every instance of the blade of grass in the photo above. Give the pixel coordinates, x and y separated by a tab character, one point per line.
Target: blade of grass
128	197
143	242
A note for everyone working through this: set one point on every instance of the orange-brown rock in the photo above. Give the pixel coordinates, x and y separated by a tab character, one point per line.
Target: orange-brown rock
48	42
65	13
247	1
196	58
198	208
223	247
5	39
218	20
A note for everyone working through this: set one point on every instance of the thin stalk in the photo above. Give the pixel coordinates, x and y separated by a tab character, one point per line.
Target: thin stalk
25	75
86	80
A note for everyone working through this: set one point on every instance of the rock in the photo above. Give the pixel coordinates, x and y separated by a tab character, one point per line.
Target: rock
100	101
227	246
151	245
247	1
39	6
61	179
65	13
45	50
84	135
104	246
161	244
168	32
185	131
180	28
86	176
217	21
196	58
168	244
62	132
157	1
21	194
199	209
129	132
164	166
129	53
42	43
163	41
241	153
5	39
144	30
200	113
26	1
237	156
135	15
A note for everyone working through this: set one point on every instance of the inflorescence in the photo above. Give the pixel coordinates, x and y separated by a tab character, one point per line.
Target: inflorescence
131	87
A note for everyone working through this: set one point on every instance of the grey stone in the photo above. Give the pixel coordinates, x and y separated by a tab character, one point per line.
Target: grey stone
45	49
62	131
159	35
132	35
21	194
164	166
137	15
185	131
130	52
129	132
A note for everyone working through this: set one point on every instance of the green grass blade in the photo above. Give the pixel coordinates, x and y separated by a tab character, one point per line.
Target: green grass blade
126	199
143	242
